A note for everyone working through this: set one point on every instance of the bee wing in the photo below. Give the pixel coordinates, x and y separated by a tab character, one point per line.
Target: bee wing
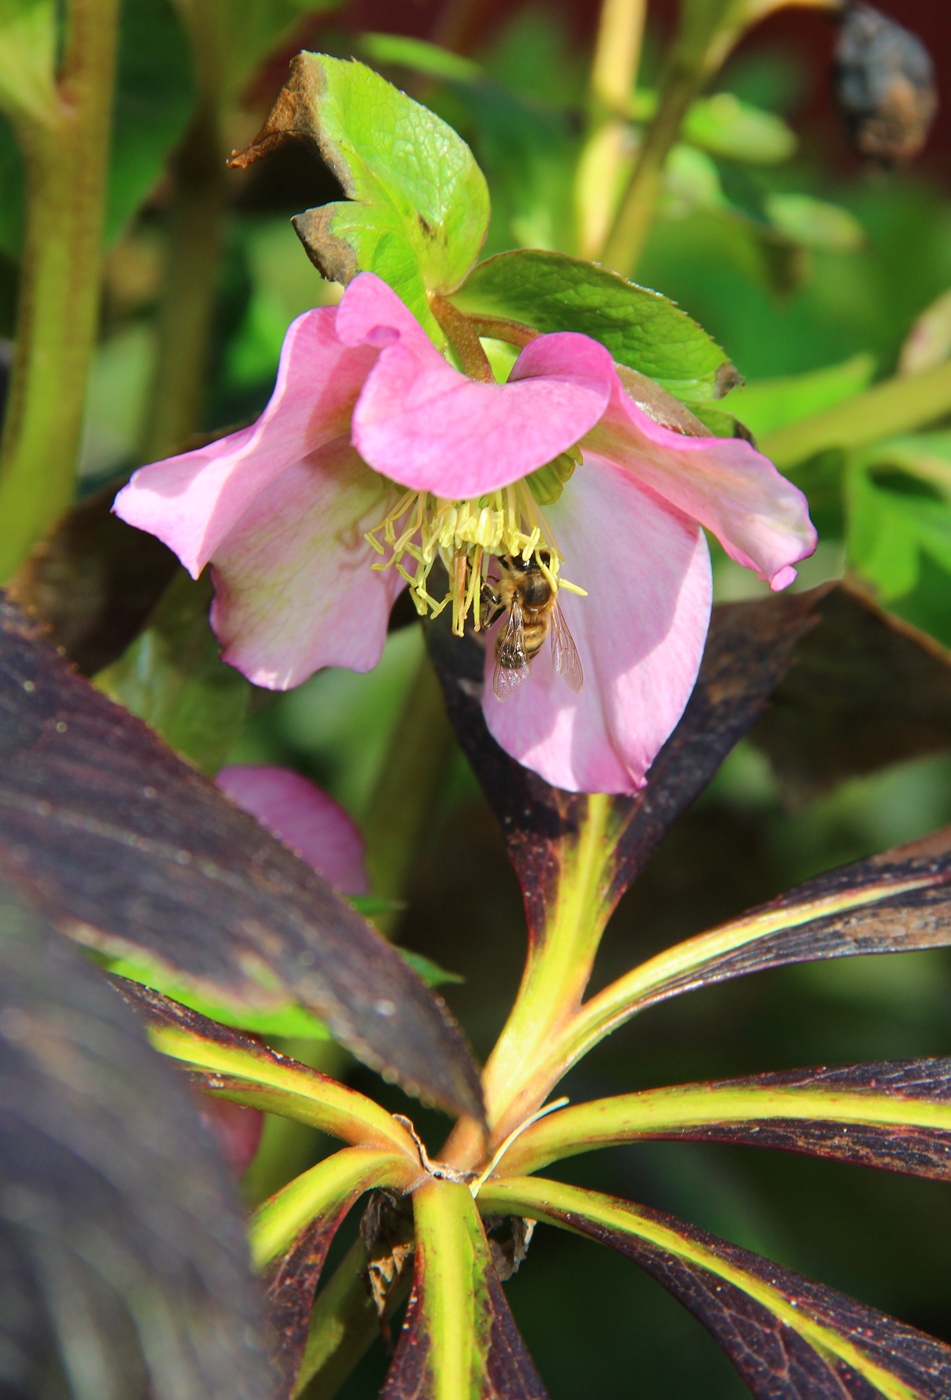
564	653
511	663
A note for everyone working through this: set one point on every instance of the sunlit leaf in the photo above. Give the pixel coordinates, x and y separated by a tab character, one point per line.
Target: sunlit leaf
235	1067
790	1339
130	850
641	329
124	1267
417	207
172	676
928	343
867	690
893	1115
894	903
459	1338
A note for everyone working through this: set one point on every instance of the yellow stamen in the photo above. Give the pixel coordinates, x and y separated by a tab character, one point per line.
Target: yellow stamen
465	536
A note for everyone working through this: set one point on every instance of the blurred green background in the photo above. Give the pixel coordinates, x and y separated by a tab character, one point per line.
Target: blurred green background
812	272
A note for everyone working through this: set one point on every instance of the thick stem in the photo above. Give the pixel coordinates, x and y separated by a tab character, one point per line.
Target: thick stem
188	298
463	338
556	974
66	165
406	789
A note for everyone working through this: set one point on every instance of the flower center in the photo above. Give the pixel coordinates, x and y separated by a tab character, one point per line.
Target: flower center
467	535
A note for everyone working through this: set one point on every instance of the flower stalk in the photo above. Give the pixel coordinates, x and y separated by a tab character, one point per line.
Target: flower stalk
65	145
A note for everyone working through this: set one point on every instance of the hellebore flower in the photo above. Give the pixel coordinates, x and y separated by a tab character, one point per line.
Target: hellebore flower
376	457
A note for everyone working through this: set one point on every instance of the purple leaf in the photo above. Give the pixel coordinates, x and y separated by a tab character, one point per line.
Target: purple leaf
130	851
790	1339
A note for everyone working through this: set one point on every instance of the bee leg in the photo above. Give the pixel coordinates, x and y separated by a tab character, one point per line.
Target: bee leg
491	605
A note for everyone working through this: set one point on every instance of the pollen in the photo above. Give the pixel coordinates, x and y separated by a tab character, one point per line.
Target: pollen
466	536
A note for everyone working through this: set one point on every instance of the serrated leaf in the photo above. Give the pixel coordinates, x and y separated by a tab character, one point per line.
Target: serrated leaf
133	852
119	1220
235	1067
893	1115
867	690
172	676
418	206
459	1340
789	1338
642	329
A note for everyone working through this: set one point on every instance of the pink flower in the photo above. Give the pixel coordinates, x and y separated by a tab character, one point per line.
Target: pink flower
375	458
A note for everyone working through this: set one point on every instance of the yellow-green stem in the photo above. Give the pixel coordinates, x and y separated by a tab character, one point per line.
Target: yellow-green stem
66	163
613	76
556	975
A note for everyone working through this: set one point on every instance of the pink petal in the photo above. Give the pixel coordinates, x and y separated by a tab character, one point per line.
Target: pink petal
194	500
304	818
294	586
425	425
759	517
640	635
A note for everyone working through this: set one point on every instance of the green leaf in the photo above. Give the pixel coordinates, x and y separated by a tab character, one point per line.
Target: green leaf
28	35
766	405
890	530
153	104
173	678
784	1334
815	223
420	57
642	329
417	208
459	1340
895	1116
735	130
238	1068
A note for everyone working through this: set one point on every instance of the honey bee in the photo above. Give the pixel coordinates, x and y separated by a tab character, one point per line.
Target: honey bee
527	596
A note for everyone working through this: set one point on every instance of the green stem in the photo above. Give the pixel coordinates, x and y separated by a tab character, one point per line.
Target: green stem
708	31
188	298
894	406
66	168
556	974
406	789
